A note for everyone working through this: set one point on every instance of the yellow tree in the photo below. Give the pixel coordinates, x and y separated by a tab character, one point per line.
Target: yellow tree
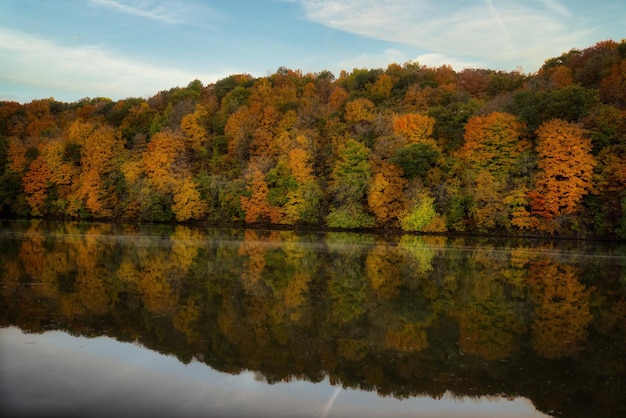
303	201
386	193
78	131
187	201
62	172
299	161
238	131
415	128
490	209
360	110
263	144
158	160
491	149
99	157
193	127
565	169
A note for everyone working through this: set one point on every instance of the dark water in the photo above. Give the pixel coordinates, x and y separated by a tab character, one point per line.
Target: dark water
110	320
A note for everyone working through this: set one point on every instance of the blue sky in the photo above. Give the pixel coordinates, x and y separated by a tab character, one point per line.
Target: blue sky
71	49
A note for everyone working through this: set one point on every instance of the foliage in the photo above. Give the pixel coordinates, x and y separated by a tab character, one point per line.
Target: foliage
416	159
566	170
420	216
349	216
496	151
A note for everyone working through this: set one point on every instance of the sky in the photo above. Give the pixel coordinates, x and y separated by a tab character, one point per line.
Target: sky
73	49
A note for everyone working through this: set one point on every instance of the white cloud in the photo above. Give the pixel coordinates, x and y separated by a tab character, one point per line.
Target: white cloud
84	70
506	34
155	10
434	60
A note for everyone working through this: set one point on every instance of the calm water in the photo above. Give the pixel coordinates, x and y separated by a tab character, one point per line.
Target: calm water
109	320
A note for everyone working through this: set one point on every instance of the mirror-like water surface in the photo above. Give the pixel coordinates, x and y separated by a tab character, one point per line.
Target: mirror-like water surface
104	320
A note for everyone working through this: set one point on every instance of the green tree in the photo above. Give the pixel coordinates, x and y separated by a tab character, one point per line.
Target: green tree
416	159
349	184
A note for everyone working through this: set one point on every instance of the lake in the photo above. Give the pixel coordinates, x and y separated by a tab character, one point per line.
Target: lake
154	320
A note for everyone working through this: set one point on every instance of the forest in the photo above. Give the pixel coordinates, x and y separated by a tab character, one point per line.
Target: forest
406	148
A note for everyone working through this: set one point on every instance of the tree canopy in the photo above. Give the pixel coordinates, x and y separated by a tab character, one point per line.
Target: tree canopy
474	151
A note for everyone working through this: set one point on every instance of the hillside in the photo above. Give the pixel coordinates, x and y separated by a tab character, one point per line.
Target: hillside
406	148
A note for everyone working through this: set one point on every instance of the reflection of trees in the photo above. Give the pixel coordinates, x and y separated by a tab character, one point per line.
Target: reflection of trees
383	270
407	337
347	284
488	323
561	309
419	251
399	315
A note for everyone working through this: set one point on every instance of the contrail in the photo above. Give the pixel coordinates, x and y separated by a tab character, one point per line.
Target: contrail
496	16
330	403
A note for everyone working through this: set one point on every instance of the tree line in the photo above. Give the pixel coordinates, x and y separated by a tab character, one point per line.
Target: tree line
408	148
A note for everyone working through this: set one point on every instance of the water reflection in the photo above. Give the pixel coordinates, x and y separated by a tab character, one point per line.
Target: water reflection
100	377
395	316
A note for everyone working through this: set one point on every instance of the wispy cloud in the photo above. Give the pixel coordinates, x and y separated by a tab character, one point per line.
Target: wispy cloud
164	11
506	32
496	16
37	62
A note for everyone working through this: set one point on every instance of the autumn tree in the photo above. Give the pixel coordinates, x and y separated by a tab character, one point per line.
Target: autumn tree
187	201
360	110
238	131
36	183
380	89
421	215
493	148
39	119
263	138
493	142
613	86
565	170
415	128
386	193
99	160
160	157
194	127
256	205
